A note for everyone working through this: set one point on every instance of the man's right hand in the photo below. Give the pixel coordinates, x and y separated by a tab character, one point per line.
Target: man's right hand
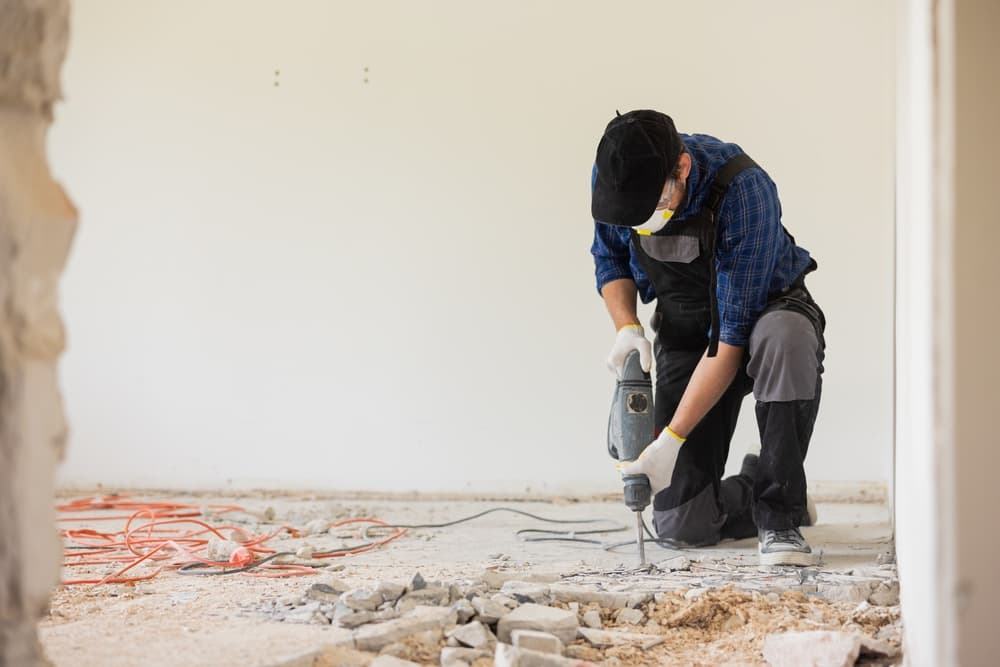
630	337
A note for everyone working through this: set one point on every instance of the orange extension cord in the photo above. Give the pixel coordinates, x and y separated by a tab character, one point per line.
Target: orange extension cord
169	533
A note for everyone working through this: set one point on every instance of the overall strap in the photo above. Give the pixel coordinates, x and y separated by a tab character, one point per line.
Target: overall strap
716	193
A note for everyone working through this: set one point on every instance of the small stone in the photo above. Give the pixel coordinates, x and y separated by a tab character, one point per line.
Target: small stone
305	552
324	593
309	613
417	583
489	612
856	592
346	617
316	527
464	610
473	635
505	600
362	599
695	593
675	564
630	616
559	622
574	607
592	619
429	595
537	641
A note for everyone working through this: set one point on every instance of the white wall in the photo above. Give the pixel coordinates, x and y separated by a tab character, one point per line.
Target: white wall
387	285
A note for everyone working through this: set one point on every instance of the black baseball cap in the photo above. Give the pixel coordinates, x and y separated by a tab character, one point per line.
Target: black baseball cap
637	153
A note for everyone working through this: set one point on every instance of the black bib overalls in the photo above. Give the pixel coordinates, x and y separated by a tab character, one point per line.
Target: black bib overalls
783	360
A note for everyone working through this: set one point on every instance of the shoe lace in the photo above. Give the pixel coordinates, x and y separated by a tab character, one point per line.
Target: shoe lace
785	535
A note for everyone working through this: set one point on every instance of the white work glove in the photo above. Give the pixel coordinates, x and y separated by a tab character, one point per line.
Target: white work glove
656	461
630	337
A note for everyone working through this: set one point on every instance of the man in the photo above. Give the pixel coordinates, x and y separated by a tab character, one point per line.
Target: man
694	223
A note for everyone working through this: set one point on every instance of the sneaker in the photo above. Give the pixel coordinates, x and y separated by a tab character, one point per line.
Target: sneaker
784	547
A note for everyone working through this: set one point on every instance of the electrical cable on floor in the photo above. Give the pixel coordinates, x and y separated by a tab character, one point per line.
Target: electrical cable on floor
178	549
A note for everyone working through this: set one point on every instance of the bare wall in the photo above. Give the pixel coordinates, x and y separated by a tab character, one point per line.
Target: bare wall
346	244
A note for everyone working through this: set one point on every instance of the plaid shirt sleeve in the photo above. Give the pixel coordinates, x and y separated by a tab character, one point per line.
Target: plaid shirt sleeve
747	253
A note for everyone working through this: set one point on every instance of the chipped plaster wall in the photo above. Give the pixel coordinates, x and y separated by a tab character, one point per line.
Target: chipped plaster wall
37	222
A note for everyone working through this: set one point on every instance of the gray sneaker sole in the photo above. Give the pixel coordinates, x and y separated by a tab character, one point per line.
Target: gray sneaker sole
797	558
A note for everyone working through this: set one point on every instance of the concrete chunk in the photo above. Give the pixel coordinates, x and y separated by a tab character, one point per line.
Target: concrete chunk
465	611
362	599
606	599
373	637
559	622
488	611
592	619
630	616
606	638
391	661
511	656
473	635
819	648
526	591
461	656
537	641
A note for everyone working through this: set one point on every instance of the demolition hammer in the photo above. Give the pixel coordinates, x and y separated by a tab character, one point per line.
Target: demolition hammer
630	430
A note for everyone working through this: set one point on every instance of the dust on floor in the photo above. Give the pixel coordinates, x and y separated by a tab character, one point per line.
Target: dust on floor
711	606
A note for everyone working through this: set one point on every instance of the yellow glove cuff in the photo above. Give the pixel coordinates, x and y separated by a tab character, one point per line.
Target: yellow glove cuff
674	435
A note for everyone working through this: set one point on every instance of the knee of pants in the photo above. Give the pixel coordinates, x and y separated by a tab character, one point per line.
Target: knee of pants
695	523
785	357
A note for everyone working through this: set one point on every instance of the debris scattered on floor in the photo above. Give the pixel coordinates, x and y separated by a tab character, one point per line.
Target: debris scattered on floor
512	622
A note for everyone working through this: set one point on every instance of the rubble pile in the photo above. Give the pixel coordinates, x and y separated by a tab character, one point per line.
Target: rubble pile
542	621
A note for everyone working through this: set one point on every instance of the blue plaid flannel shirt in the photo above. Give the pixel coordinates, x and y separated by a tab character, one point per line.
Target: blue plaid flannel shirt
754	257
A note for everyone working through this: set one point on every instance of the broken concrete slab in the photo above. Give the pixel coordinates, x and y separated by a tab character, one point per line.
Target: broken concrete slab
461	656
375	636
391	661
607	638
559	622
534	640
845	592
507	655
526	591
819	648
607	599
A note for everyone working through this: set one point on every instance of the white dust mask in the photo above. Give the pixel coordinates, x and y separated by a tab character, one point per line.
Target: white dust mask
660	217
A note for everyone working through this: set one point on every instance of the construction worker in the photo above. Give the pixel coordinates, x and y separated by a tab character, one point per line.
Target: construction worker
694	223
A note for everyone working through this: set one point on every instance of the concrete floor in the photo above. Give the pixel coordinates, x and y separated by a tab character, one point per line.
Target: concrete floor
174	619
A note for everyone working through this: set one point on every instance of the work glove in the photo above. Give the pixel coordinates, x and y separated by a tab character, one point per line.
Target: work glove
630	337
656	461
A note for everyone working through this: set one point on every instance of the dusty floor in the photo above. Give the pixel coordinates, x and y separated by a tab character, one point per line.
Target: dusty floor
237	619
